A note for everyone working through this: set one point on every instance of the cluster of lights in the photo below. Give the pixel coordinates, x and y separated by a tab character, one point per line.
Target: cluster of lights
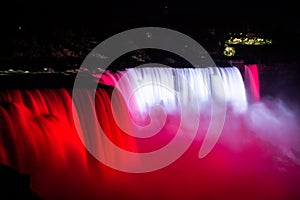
247	39
243	39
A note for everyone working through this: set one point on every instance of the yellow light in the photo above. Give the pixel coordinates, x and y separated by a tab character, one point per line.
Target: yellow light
229	51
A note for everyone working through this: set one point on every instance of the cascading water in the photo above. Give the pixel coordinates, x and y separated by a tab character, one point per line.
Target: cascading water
38	136
154	86
252	82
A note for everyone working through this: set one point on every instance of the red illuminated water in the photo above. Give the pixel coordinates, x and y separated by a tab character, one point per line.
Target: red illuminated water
256	157
252	81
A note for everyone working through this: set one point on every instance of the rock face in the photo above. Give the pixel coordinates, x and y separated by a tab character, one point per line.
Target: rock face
15	185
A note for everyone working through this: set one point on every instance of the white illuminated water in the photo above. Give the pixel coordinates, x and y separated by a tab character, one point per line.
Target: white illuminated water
174	87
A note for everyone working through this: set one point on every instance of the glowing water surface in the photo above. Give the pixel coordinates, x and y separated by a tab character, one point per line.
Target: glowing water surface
256	157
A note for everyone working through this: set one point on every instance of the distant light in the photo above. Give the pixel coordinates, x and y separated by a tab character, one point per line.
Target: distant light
229	51
248	39
166	7
148	34
20	27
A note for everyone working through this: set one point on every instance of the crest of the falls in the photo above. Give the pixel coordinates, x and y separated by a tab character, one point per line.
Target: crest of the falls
175	88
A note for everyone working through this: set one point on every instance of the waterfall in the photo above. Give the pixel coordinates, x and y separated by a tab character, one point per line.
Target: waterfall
39	136
170	87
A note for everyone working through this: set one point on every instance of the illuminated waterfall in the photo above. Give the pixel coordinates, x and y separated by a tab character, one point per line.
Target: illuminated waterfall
38	137
170	87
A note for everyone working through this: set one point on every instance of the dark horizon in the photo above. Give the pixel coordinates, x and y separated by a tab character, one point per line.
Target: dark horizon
51	22
107	17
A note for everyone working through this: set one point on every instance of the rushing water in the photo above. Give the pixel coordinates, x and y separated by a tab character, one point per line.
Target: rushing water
171	86
256	156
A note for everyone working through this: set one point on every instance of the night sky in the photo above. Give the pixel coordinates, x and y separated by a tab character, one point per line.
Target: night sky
42	19
104	16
